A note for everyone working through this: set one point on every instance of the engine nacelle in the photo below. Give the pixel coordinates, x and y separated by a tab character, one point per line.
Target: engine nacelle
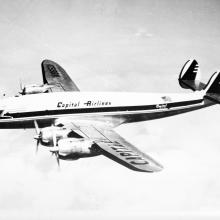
34	89
74	146
46	134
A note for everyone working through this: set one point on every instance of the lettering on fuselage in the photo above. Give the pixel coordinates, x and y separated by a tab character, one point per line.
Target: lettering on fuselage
161	106
97	103
66	105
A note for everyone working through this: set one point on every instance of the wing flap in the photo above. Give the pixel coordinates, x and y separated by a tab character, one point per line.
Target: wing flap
54	74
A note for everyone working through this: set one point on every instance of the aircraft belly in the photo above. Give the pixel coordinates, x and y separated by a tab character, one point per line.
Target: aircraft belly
24	124
162	114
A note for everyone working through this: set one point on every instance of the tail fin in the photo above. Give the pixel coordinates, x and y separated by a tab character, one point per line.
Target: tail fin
213	85
189	77
213	88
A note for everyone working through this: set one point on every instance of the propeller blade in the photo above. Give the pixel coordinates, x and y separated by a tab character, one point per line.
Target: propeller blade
37	145
55	148
36	127
38	136
54	136
58	159
22	87
56	153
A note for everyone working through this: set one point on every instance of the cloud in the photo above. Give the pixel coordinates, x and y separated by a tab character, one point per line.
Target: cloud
142	32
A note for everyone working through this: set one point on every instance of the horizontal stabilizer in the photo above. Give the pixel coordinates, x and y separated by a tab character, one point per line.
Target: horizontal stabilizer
213	97
189	77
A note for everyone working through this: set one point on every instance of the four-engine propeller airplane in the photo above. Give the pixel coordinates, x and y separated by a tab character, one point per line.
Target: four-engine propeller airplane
75	124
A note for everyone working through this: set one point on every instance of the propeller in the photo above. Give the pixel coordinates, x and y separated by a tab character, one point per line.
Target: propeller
22	88
55	148
38	136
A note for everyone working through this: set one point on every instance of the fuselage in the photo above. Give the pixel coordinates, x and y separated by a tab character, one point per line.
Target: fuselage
114	107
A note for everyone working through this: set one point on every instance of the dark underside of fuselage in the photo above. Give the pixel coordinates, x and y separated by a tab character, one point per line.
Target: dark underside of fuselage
119	115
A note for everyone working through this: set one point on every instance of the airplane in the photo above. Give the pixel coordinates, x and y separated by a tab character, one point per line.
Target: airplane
73	124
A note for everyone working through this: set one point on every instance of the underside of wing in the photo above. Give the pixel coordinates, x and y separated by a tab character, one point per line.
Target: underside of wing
118	149
56	76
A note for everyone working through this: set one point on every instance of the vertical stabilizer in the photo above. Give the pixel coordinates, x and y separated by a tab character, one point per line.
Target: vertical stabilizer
189	77
213	88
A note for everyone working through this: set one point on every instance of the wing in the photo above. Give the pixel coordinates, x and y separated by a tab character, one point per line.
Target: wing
56	76
117	148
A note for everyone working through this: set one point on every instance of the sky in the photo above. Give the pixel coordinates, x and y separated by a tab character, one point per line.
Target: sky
113	46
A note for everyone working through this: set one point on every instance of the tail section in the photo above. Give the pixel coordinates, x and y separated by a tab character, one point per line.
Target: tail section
189	77
213	85
213	88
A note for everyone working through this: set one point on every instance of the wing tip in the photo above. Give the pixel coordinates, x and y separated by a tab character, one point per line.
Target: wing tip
153	168
157	168
149	170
